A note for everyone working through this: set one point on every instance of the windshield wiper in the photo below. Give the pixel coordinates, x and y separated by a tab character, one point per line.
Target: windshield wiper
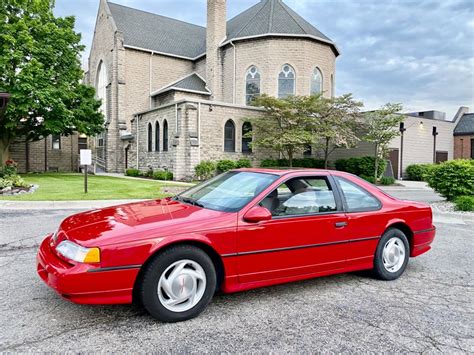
190	201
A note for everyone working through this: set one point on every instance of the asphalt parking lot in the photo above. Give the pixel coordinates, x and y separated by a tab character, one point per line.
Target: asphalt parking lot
429	309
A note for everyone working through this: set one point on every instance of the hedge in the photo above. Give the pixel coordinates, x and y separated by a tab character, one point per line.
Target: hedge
464	203
297	163
360	166
452	179
418	172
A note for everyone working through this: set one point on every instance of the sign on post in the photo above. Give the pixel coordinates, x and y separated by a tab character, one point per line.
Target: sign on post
86	160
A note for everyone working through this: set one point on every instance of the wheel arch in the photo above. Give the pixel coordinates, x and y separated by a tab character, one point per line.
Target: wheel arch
405	228
208	249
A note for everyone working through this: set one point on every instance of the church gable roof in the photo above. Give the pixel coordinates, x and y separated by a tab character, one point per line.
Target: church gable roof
161	34
192	83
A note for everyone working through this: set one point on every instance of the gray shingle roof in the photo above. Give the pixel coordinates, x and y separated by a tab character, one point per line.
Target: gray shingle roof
166	35
159	33
190	83
465	125
271	17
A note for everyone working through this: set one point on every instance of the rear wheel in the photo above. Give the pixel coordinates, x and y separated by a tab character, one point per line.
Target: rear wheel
178	284
392	254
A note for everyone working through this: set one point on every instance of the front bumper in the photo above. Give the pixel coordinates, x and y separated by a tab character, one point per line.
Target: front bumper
78	284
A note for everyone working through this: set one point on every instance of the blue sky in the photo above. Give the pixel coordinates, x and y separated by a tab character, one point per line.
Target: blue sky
416	52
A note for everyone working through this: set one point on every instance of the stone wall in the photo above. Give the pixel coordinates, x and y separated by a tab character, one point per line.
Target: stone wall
65	159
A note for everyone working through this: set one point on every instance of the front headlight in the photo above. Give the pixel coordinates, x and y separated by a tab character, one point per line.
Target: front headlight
77	253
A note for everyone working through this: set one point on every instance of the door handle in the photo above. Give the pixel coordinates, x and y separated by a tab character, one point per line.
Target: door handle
340	224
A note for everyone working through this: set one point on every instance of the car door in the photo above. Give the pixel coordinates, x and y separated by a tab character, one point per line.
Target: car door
305	235
365	223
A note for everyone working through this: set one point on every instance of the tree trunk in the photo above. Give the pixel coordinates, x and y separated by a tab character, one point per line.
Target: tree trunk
4	152
376	162
326	154
290	157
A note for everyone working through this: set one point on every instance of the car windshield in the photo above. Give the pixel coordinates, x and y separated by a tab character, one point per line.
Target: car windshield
228	192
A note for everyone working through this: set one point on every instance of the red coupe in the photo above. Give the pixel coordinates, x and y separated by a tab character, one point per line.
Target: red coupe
243	229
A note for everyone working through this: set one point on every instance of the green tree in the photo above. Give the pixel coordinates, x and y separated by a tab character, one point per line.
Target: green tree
285	127
381	127
40	67
337	124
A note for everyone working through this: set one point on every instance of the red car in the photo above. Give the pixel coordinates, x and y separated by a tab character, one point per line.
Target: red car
243	229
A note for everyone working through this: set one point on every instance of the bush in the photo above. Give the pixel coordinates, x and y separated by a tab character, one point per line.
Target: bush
163	175
464	203
452	179
370	179
243	163
360	166
205	170
297	163
387	180
10	168
225	165
133	172
4	183
418	172
18	181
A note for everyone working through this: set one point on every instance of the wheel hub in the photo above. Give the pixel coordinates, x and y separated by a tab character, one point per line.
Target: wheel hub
393	254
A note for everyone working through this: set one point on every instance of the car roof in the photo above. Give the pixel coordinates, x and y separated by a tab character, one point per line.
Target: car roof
284	171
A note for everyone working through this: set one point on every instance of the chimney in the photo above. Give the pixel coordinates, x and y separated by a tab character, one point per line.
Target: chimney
216	33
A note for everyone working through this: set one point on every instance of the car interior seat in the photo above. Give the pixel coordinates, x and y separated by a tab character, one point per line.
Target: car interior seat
271	202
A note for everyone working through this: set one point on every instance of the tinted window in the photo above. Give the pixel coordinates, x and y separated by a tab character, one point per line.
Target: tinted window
229	192
357	198
301	196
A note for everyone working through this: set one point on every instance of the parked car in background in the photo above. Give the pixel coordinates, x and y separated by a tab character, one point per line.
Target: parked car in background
241	230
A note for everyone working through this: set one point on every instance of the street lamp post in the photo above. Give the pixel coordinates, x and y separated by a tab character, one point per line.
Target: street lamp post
435	133
402	131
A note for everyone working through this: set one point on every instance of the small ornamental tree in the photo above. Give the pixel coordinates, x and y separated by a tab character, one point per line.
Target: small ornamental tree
381	127
338	122
40	67
284	127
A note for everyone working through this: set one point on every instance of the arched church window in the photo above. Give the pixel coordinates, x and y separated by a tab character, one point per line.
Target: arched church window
229	136
246	130
252	84
165	136
286	81
150	137
316	82
157	136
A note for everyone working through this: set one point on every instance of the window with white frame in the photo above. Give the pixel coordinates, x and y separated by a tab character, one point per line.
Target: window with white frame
286	81
316	82
252	84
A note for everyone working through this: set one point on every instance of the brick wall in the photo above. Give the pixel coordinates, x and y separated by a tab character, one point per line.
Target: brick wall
463	147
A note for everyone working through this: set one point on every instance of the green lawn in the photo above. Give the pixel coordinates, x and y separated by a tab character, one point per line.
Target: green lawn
70	187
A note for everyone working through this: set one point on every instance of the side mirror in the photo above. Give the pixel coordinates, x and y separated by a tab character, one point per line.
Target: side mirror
257	214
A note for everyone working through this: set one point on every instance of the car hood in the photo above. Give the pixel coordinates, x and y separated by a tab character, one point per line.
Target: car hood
138	221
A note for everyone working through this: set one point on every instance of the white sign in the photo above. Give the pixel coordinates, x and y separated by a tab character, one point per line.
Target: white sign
86	157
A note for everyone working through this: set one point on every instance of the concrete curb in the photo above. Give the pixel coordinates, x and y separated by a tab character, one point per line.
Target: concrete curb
61	205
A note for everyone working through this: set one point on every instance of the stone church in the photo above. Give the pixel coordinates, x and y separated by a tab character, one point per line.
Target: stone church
174	93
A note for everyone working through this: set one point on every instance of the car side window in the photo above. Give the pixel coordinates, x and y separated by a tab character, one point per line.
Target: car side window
301	196
357	199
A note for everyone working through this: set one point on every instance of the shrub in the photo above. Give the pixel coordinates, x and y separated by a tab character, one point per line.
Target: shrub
243	163
133	172
225	165
452	179
10	168
361	166
4	183
163	175
464	203
418	172
17	181
370	179
297	163
205	170
387	180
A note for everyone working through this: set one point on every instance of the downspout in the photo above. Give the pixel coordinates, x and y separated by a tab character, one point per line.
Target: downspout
150	76
199	131
235	72
138	132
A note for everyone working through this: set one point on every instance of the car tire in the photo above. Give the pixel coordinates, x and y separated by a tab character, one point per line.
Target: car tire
178	284
392	255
